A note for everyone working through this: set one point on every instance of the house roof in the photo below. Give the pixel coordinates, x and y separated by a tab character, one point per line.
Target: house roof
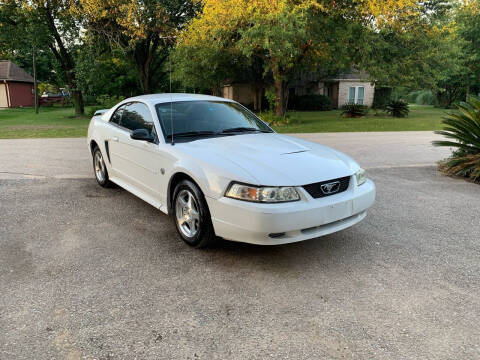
352	74
312	78
11	72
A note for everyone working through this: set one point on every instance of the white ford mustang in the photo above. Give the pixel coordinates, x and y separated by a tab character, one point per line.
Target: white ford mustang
219	170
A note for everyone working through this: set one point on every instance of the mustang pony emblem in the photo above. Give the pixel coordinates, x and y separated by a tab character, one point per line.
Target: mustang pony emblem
330	188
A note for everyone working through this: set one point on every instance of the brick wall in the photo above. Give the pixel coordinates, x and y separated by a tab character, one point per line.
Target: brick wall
344	87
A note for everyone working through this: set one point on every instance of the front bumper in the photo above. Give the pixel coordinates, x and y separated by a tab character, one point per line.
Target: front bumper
272	224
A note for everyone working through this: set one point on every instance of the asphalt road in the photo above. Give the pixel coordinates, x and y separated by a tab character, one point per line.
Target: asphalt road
94	273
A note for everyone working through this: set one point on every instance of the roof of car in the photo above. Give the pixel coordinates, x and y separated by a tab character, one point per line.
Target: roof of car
167	97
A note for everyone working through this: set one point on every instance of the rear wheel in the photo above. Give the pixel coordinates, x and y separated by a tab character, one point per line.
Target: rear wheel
191	216
100	169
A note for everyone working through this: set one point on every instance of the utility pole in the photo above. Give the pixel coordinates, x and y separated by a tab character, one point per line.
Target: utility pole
35	83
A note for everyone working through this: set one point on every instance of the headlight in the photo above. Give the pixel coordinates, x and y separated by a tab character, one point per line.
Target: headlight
265	194
360	176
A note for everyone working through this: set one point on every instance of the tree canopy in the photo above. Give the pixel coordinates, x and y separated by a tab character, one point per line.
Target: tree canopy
127	47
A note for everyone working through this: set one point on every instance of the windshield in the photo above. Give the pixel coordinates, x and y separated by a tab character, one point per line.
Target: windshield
207	118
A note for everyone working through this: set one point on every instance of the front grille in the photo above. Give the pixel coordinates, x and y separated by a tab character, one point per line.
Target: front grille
315	190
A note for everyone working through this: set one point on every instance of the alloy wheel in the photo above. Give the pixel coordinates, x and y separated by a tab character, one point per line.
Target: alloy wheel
100	172
187	213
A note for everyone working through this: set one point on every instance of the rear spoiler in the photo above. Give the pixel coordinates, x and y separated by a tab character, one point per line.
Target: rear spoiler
100	112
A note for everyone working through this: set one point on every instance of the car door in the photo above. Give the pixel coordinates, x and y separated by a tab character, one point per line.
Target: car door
112	145
137	162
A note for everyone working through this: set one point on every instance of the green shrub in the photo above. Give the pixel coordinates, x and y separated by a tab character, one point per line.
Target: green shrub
397	108
108	101
381	97
89	100
271	98
421	97
463	130
274	120
104	102
309	103
425	97
67	101
354	110
46	87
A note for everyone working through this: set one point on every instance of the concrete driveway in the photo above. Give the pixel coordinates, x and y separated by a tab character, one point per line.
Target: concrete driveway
96	273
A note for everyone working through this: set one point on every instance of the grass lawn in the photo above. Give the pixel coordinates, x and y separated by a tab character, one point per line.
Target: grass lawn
60	122
421	117
50	122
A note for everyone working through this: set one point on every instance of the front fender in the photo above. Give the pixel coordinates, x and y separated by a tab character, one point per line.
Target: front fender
210	181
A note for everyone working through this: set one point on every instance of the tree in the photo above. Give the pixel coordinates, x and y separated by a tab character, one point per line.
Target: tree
49	25
285	35
418	52
204	66
468	20
143	30
105	71
18	42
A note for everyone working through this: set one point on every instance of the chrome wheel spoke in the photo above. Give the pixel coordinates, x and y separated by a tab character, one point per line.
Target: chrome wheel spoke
191	224
195	215
189	202
187	214
182	201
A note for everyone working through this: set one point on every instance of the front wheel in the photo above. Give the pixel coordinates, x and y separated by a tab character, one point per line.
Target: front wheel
191	216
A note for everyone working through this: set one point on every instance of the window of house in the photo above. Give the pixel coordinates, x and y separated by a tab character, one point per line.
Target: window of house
360	94
351	95
356	95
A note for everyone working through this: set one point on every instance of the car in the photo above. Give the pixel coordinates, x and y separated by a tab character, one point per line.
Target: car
221	172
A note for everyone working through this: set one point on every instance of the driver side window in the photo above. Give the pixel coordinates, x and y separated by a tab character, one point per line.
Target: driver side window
137	116
134	116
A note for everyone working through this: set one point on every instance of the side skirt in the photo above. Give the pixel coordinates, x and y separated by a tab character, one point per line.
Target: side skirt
152	201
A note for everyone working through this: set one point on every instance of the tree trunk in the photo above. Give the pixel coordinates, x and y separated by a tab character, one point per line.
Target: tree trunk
467	92
257	97
144	81
65	59
143	71
78	102
216	90
143	55
279	97
75	93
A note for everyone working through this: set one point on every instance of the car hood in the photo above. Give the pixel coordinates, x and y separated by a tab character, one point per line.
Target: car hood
273	159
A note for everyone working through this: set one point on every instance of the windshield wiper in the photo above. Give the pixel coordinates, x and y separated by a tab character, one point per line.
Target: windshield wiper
192	133
242	129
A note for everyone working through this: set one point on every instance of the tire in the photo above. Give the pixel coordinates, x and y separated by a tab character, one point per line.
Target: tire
100	169
191	216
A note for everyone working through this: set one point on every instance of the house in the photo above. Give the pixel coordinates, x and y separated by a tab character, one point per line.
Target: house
245	93
352	87
349	87
16	86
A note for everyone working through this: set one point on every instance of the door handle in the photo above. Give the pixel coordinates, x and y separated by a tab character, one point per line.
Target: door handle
115	138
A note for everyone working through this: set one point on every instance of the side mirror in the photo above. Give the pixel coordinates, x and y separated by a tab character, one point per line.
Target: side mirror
142	134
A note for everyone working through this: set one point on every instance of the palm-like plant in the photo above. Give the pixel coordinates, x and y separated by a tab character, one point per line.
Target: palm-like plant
397	108
354	110
463	128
